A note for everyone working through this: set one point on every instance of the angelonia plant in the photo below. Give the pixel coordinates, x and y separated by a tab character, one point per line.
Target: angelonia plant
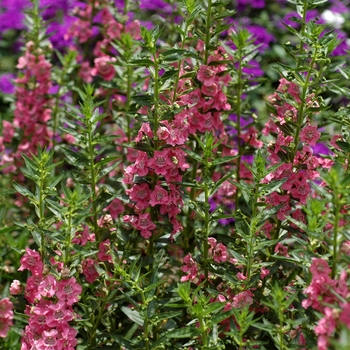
175	175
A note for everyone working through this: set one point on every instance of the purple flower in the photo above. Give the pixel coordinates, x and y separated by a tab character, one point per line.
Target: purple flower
257	4
320	148
253	69
262	36
155	5
6	85
342	46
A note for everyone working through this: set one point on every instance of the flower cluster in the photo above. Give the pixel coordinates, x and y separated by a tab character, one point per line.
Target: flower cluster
33	109
52	299
330	297
6	316
300	164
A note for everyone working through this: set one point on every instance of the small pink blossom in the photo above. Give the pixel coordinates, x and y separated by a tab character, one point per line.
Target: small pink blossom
220	253
69	290
310	135
31	261
16	287
89	270
264	272
105	247
241	277
158	196
48	286
242	299
319	267
104	67
207	75
190	267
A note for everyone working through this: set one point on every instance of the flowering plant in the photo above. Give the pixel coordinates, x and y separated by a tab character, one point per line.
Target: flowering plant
176	176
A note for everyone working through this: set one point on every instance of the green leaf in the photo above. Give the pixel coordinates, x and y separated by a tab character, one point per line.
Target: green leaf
166	315
37	237
225	159
30	163
187	332
273	186
127	344
107	170
343	145
213	307
221	181
193	155
221	317
23	190
143	62
133	315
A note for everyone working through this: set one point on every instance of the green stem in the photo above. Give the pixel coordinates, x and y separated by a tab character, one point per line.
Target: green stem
206	232
189	227
251	245
146	322
156	99
126	7
300	118
238	125
96	322
204	333
303	24
55	110
127	104
93	176
335	232
69	238
41	211
208	33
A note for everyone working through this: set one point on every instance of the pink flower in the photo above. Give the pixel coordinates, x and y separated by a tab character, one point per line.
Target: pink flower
220	253
160	162
207	75
6	307
322	342
326	325
49	339
345	315
158	196
105	247
241	277
210	90
319	267
264	272
89	270
114	29
48	286
16	287
58	315
242	299
104	67
31	261
140	166
163	133
6	316
334	139
7	131
144	130
69	290
5	324
310	135
281	249
140	194
190	267
134	29
145	223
